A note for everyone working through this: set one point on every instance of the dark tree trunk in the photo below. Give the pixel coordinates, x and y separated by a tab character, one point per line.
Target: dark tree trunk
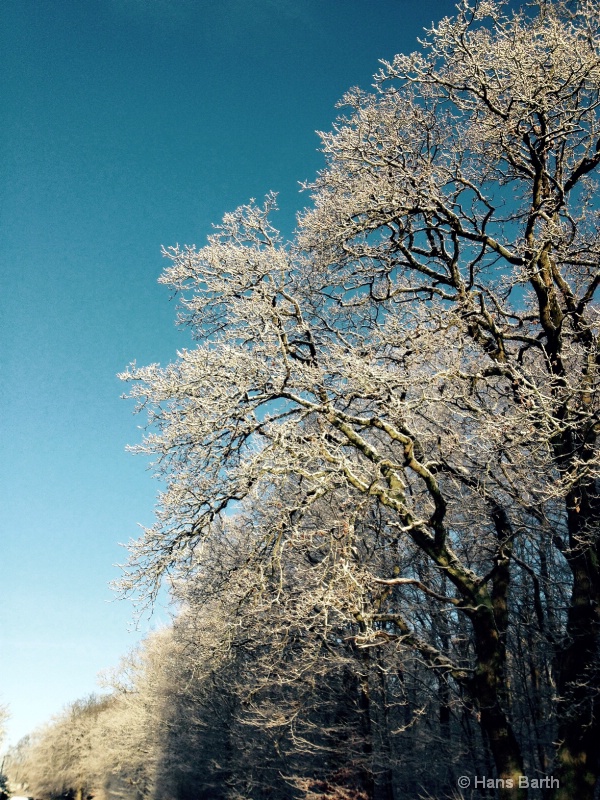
367	782
489	687
490	683
578	662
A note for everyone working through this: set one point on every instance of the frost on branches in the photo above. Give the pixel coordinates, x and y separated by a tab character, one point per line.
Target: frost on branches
425	352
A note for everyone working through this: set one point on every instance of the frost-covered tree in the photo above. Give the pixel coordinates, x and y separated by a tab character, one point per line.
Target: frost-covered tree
425	350
60	758
4	716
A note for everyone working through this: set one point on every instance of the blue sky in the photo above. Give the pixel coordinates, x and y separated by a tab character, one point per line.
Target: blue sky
127	124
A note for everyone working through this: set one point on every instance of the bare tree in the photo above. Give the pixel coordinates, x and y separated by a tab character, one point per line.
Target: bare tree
4	716
426	348
59	759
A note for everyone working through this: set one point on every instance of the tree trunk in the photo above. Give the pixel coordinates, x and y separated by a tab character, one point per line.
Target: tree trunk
490	692
367	782
578	663
386	779
489	686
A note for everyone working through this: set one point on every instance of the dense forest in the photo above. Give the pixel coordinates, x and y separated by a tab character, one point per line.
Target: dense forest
380	527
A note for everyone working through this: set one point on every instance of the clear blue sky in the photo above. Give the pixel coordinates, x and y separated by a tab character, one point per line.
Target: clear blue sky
127	124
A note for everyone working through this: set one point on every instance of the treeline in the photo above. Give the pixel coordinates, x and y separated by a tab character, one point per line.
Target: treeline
280	683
